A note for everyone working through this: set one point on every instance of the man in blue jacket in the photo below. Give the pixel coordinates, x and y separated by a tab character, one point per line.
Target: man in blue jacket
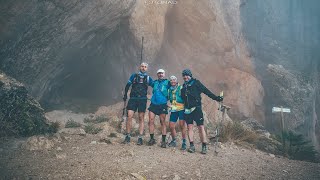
138	100
191	94
159	106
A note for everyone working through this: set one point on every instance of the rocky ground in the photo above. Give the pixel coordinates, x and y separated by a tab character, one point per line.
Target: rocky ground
72	154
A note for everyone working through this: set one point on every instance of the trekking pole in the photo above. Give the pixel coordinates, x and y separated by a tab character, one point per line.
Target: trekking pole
124	116
219	124
141	49
223	108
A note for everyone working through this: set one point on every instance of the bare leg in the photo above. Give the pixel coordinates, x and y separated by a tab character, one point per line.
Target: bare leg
163	124
183	128
129	121
190	132
202	134
141	123
173	129
151	122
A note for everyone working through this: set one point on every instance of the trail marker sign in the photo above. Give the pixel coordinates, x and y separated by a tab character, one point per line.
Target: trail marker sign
280	109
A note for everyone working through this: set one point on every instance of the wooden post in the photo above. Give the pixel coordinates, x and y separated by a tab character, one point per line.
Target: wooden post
283	133
282	119
283	128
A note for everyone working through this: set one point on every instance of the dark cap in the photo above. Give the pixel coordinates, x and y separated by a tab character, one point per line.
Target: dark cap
186	72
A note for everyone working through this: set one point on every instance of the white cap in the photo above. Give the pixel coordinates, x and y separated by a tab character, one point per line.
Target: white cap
173	78
160	71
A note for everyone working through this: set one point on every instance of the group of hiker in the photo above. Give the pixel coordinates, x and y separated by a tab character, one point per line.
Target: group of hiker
185	105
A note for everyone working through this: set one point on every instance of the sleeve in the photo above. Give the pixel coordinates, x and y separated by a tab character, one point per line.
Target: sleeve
205	90
131	79
129	83
150	81
169	84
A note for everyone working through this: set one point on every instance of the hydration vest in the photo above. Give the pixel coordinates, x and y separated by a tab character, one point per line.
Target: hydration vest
139	86
177	93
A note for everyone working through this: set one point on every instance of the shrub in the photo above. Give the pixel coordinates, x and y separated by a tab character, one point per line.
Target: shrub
20	115
98	119
236	132
113	135
91	129
296	147
54	127
72	124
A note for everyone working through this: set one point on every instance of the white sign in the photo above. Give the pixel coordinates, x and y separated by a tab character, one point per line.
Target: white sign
278	109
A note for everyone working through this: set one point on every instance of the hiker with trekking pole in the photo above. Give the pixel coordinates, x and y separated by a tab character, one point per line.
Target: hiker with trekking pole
176	112
159	106
191	95
138	100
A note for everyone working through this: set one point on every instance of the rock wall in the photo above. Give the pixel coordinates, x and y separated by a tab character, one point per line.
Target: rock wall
79	54
286	33
68	52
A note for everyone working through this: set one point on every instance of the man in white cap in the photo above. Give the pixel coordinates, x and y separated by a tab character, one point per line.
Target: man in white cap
159	106
138	100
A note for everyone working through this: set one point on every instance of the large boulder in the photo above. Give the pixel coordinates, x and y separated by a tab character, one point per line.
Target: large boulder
20	114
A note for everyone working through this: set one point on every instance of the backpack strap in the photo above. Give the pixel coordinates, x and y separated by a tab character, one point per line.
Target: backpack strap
135	78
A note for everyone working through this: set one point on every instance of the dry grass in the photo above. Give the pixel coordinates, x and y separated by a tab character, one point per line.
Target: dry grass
98	119
91	129
72	124
237	133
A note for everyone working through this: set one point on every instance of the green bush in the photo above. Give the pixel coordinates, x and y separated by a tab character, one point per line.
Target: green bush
54	127
91	129
21	115
296	147
72	124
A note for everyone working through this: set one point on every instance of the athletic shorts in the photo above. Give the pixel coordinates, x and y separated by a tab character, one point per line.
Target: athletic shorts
137	104
175	115
196	115
158	109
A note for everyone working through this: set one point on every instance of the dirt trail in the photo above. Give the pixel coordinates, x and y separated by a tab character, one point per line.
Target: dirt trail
83	157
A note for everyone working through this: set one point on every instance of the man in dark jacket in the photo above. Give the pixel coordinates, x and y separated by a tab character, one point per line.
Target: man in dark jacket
191	94
138	99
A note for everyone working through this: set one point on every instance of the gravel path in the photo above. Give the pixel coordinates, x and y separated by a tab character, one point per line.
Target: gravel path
85	158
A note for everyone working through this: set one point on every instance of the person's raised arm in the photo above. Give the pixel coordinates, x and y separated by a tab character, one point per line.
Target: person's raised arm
207	92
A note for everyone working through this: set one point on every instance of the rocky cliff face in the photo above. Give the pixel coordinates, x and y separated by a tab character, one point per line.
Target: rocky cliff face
78	54
286	33
68	52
